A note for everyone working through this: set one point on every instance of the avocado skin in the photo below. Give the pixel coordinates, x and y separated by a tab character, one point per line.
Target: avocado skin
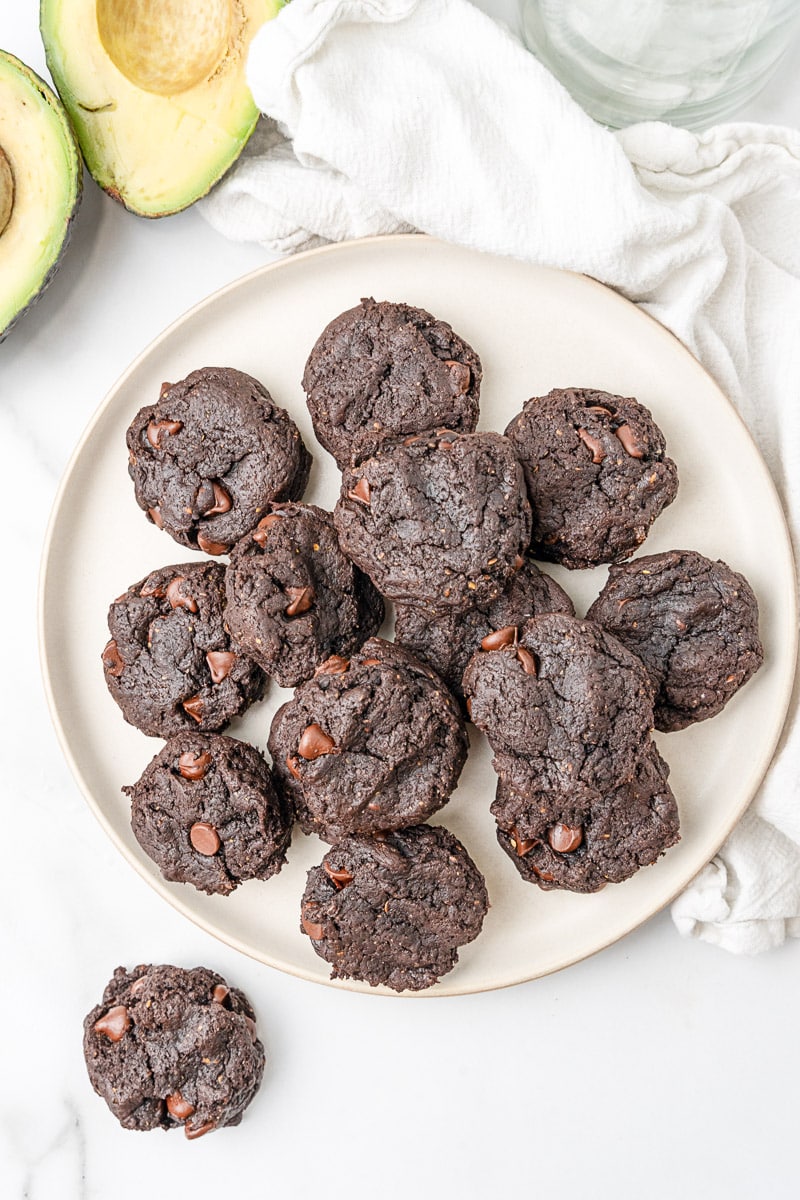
74	157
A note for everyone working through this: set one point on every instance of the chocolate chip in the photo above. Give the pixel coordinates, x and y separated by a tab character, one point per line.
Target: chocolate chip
596	446
194	708
193	766
519	562
335	665
629	444
209	547
115	1024
155	516
266	523
599	409
204	838
152	589
220	664
292	766
179	1108
301	598
197	1131
499	638
156	428
314	743
340	878
251	1028
220	993
390	857
547	876
112	659
361	491
565	838
222	502
176	597
460	376
313	928
138	985
370	662
164	389
528	660
522	845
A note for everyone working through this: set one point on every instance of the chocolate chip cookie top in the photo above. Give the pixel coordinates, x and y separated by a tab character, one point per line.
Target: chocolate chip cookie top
447	641
384	366
394	910
209	456
566	706
369	745
169	1047
693	623
438	518
294	598
206	812
597	474
583	847
170	664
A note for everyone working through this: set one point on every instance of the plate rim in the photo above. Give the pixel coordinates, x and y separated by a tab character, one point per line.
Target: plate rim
443	988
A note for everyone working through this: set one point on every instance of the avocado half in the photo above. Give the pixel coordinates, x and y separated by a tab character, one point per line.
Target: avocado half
156	91
40	186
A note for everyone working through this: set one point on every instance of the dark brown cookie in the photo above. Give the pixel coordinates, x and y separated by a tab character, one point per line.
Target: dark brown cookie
693	623
211	454
369	745
294	598
438	519
383	366
170	664
394	910
169	1047
565	707
447	641
206	812
583	846
597	474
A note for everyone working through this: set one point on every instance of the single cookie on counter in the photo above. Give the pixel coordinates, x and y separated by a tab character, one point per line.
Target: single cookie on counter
169	1047
694	624
447	641
394	910
437	519
170	664
206	812
597	474
580	846
384	366
211	454
564	707
294	598
368	745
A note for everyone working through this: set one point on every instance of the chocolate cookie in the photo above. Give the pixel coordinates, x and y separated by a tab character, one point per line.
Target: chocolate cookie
597	474
170	664
581	847
170	1047
211	454
394	910
447	641
206	812
294	598
369	745
693	623
438	519
383	366
564	707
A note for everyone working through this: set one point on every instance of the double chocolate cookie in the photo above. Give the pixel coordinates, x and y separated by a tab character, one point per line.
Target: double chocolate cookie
371	744
581	842
294	598
211	454
170	664
693	623
394	910
447	641
206	812
383	366
438	518
597	474
169	1047
565	706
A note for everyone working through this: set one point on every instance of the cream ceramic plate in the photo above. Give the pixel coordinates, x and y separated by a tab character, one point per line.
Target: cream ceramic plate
534	329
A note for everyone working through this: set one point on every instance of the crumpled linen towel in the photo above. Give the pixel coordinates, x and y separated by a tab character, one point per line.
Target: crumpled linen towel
393	115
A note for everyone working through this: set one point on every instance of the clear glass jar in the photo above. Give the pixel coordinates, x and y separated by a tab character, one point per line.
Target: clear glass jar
690	62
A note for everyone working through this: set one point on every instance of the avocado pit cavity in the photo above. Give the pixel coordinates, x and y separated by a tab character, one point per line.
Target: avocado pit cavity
6	190
165	46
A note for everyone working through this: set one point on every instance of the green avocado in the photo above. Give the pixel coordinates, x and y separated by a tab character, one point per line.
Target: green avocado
156	91
40	186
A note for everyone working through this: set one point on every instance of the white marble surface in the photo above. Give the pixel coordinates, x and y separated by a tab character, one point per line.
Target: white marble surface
658	1067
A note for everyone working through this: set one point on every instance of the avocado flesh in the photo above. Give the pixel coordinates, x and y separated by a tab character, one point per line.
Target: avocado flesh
155	153
40	186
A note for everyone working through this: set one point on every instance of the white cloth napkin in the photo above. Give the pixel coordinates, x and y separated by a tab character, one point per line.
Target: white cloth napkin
391	115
